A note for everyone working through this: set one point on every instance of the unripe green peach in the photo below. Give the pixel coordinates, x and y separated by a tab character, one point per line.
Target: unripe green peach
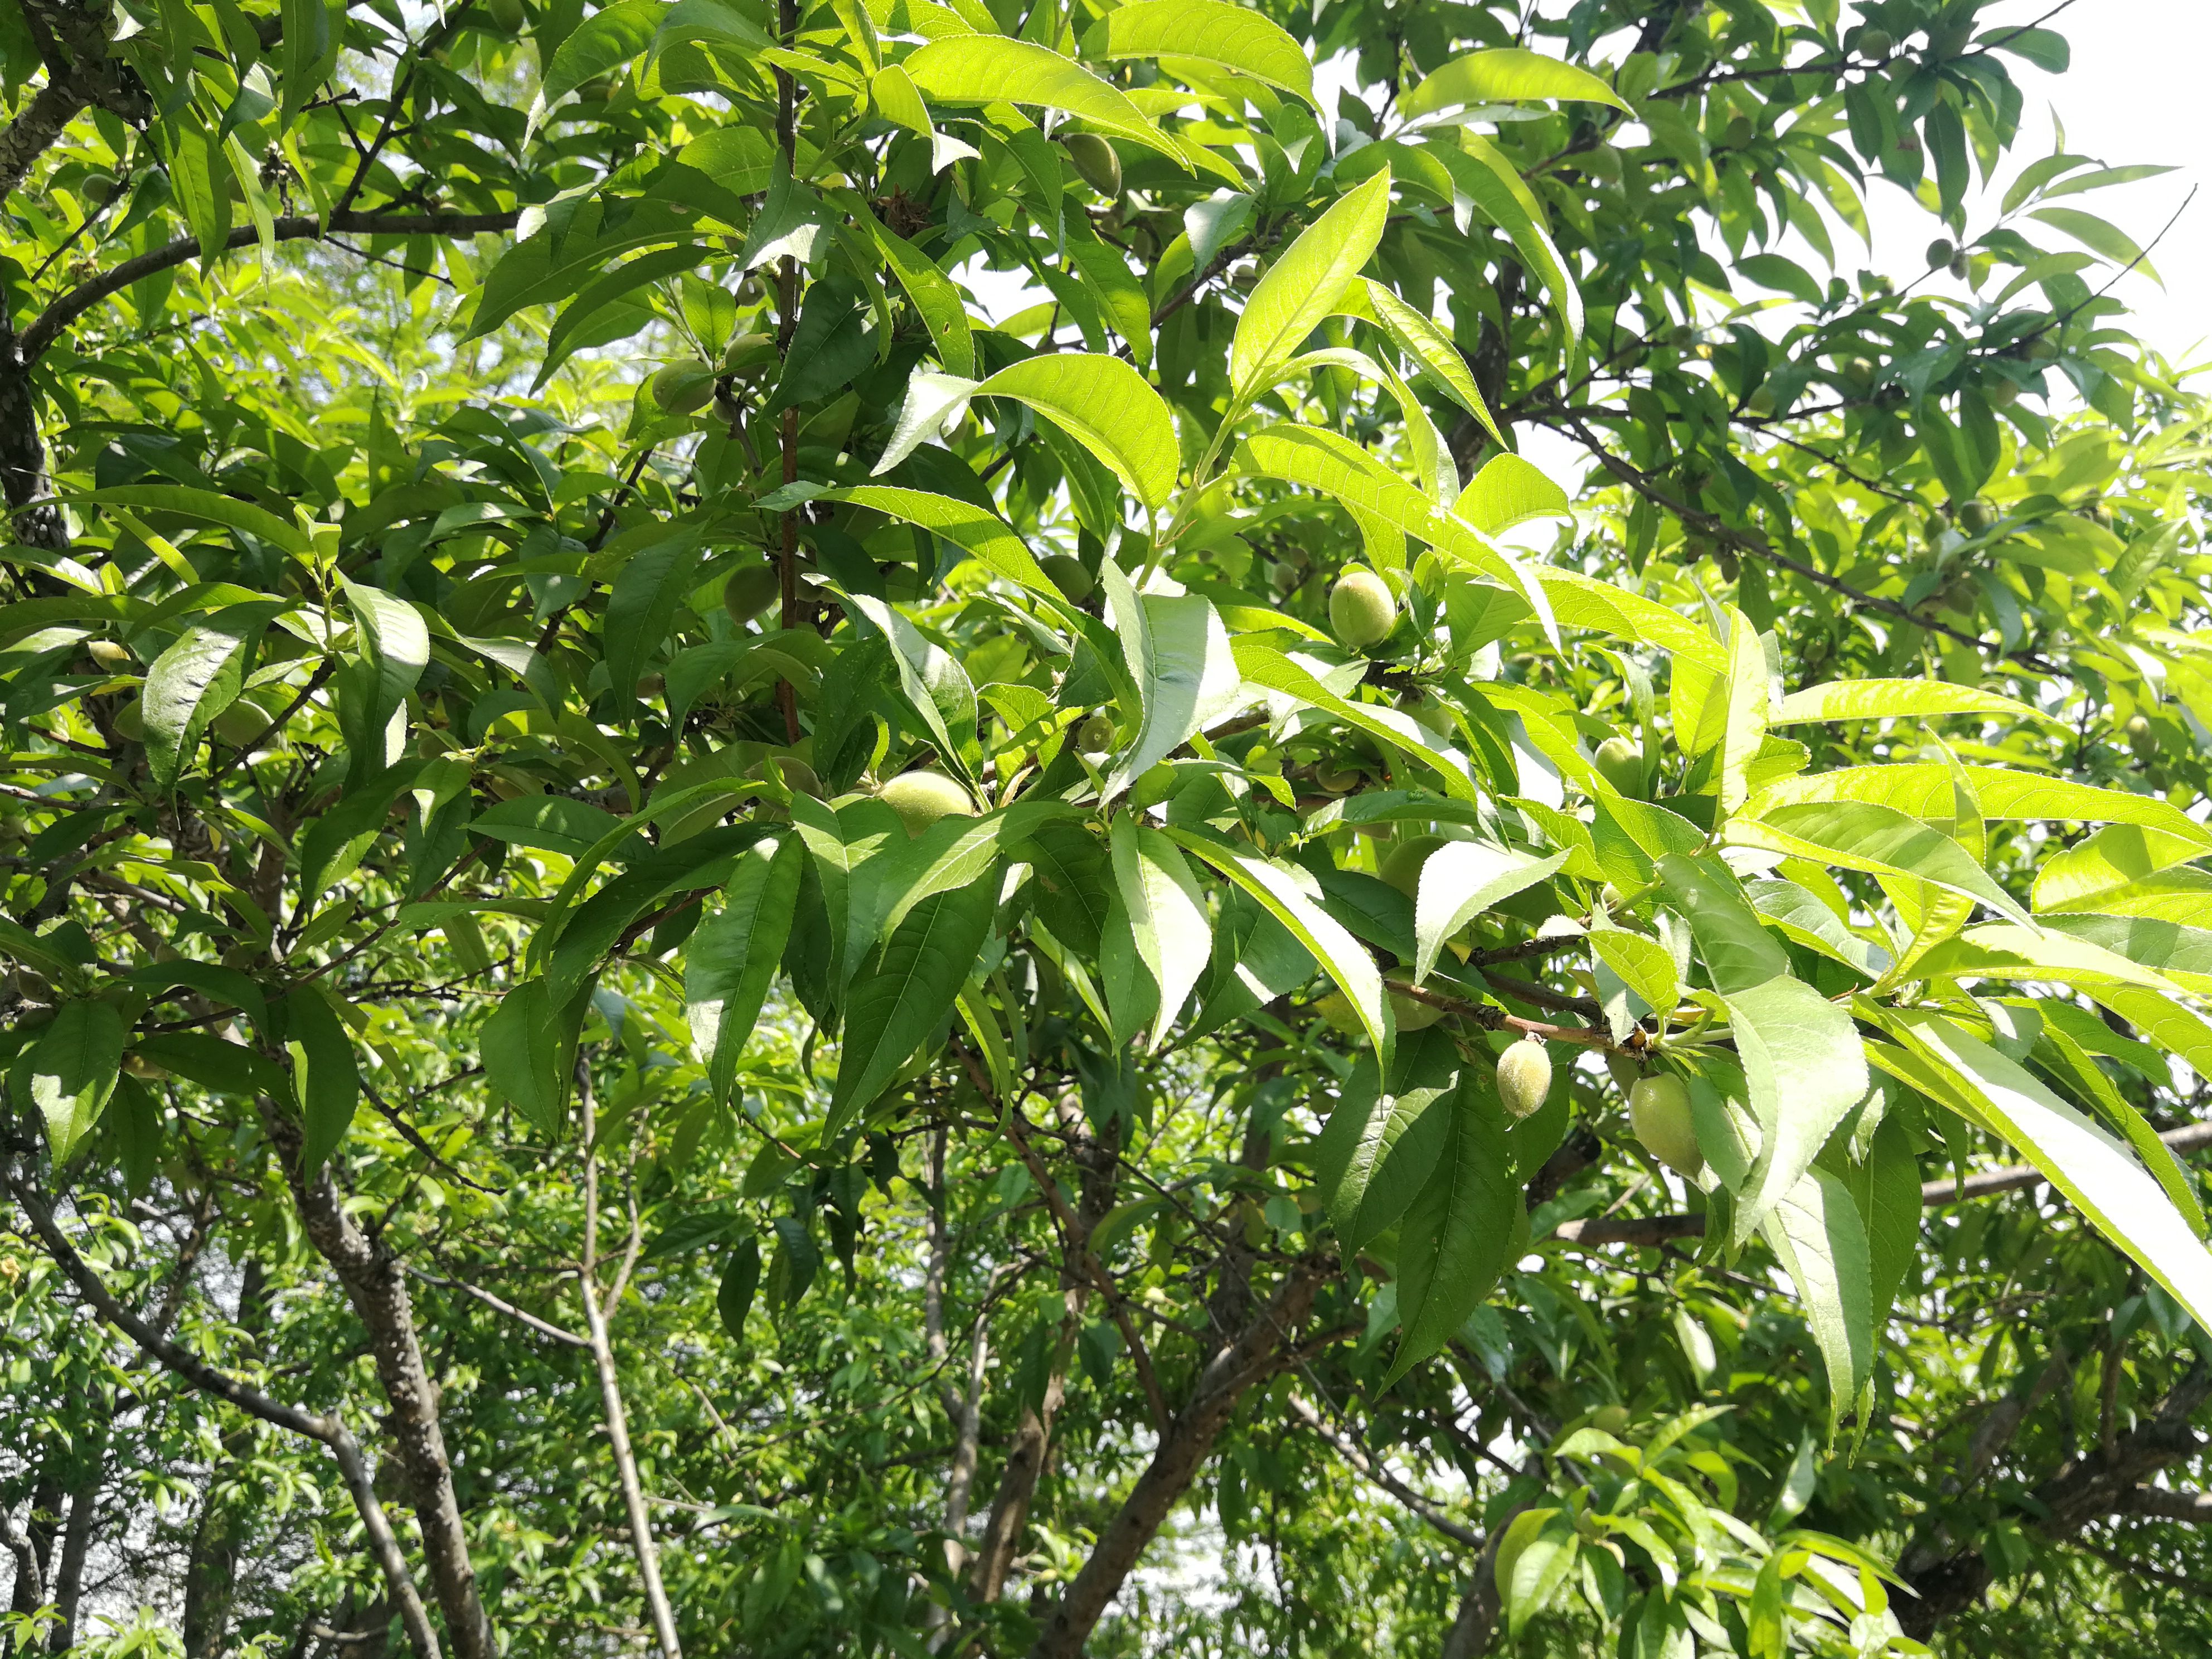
1858	371
130	721
506	14
1401	867
1876	43
107	653
1337	1013
1659	1112
1761	402
1068	574
242	723
1361	609
1625	1071
920	799
751	591
1620	763
1094	158
1974	518
1941	252
1336	779
681	389
1524	1077
1612	1419
749	354
2142	739
1096	735
1959	267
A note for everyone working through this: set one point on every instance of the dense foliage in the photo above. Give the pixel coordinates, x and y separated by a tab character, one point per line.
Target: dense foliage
714	943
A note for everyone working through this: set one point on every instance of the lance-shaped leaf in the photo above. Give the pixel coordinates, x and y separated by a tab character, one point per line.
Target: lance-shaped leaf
1457	1236
1489	180
2089	1166
1817	1234
1506	492
1438	356
529	1050
1166	911
1290	897
1738	952
906	992
1107	407
975	529
72	1069
1643	965
198	676
2078	877
1926	791
1262	666
731	959
1179	658
2003	950
1336	466
1580	601
1886	1187
326	1077
980	69
1460	880
1741	707
936	686
932	293
1880	700
1804	1069
1878	839
1306	284
1211	32
1505	75
933	402
1378	1150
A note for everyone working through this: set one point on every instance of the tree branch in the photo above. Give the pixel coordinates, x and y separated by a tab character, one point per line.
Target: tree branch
1352	1453
384	1544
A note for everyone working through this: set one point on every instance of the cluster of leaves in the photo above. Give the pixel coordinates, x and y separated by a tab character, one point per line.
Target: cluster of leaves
1083	811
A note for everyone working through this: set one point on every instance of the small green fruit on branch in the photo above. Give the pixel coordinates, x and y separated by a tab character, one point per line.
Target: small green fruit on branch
1361	610
1524	1076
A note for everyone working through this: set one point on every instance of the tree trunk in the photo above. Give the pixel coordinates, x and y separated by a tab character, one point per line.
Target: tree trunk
35	1560
211	1569
1181	1454
377	1288
68	1590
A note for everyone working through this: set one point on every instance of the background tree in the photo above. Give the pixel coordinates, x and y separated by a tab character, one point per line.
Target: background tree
1103	980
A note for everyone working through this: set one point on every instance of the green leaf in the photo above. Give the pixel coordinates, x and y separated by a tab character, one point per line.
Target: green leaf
1878	700
740	1281
2121	1198
1489	180
1336	466
1505	75
72	1069
1438	358
1185	674
1166	911
198	676
1738	953
1742	706
326	1077
1457	1237
1212	32
2007	952
731	961
559	823
1779	272
1878	839
309	38
1121	298
906	992
1378	1150
649	590
2117	856
1107	407
528	1047
1643	965
2058	1052
1460	880
1926	792
1534	1559
975	531
1581	601
1506	492
934	298
603	43
2099	236
1262	665
395	645
1292	896
1302	287
938	689
1804	1070
1816	1233
976	69
1886	1187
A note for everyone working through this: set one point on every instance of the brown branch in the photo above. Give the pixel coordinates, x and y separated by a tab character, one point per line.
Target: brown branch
330	1432
1372	1469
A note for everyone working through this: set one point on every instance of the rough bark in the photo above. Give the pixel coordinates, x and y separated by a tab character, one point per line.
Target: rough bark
32	1543
1475	1626
2108	1480
67	1592
1182	1452
376	1286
